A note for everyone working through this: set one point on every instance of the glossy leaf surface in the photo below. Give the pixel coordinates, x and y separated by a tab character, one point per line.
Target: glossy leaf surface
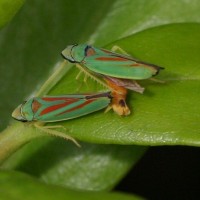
15	185
30	48
8	9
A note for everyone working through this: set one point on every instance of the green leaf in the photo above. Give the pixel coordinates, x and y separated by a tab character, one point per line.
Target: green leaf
27	60
91	167
163	114
15	185
131	16
8	8
31	44
30	49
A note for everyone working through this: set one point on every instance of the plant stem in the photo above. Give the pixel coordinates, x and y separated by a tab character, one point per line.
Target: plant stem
15	136
60	71
18	134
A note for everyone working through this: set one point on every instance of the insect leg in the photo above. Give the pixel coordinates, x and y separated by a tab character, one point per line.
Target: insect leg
79	74
157	80
56	126
95	78
118	48
47	129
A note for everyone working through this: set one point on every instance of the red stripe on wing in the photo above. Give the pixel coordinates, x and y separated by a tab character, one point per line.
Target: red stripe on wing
77	107
57	98
135	65
111	59
56	107
148	66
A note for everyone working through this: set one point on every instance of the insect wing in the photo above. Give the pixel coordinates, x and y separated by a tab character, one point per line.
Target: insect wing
68	107
119	66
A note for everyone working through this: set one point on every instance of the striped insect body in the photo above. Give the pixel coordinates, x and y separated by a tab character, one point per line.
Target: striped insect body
119	71
109	63
60	108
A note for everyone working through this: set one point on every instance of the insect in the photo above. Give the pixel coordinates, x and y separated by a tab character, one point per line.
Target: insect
60	108
119	71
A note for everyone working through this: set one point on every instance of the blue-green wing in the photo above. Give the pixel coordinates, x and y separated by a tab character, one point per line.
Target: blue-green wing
119	66
59	108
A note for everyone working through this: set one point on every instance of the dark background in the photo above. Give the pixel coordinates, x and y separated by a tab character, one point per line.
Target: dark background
165	173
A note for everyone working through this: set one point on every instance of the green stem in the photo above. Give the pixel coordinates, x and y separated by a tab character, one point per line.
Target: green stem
18	134
15	136
60	71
